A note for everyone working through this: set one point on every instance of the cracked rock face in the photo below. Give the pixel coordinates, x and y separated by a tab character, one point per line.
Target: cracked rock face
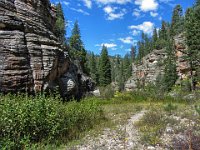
147	71
152	65
31	58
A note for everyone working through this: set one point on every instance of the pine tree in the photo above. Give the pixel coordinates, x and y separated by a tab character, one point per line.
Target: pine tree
133	53
170	74
192	25
140	51
75	39
127	67
104	68
177	21
163	31
60	30
93	68
155	38
77	50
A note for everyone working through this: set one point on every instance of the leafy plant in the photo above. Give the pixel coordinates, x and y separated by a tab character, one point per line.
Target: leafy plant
27	120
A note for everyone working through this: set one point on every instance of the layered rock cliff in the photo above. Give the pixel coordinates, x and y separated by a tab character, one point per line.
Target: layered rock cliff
152	65
31	58
147	71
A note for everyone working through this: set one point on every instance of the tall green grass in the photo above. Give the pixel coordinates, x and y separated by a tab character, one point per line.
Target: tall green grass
26	120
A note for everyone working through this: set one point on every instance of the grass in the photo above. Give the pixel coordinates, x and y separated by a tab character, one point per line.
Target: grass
46	123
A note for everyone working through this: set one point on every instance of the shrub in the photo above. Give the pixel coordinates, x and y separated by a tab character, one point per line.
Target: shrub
25	120
152	126
107	92
170	107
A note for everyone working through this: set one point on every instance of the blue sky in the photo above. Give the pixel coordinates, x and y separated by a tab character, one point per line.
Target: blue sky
117	23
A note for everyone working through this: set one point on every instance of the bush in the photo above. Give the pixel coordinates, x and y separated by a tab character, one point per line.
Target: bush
26	120
170	107
107	92
152	126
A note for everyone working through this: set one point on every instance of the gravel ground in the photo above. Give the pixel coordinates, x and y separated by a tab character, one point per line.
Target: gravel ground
124	137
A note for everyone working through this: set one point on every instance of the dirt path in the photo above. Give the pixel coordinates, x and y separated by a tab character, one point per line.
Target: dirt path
124	137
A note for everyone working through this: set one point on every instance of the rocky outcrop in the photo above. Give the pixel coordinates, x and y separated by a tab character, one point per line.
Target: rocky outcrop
183	69
147	70
152	65
31	58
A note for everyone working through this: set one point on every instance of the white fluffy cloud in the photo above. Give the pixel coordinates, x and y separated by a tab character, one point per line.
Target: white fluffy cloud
166	1
146	27
153	14
105	2
80	11
114	13
65	3
147	5
108	45
135	32
88	3
136	13
127	40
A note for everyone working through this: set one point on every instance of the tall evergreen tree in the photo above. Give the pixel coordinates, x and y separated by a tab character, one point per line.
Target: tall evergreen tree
170	75
60	25
104	68
93	68
192	25
163	31
155	38
127	67
77	49
133	53
177	23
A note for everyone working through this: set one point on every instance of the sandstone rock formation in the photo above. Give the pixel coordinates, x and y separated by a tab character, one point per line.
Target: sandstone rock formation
147	71
152	65
31	58
183	68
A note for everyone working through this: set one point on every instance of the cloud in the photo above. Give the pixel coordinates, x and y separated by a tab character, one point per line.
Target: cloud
136	13
65	3
153	14
105	2
80	11
147	5
146	27
88	3
108	45
135	32
166	1
112	13
127	40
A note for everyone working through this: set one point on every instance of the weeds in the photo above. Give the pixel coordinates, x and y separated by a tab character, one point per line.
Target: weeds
24	121
151	126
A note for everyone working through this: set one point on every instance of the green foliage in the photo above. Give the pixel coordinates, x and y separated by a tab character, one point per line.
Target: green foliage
60	24
127	67
177	24
93	67
104	68
155	37
152	126
170	107
107	92
197	108
192	23
170	75
77	50
27	120
163	31
133	53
